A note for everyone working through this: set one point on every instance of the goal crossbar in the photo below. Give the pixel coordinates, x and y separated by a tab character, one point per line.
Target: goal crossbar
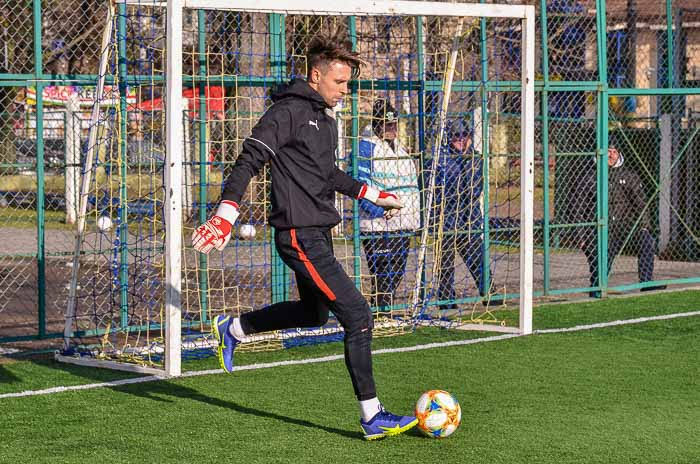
352	8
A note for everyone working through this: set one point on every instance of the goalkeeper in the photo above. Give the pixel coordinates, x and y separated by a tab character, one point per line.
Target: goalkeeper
298	137
458	188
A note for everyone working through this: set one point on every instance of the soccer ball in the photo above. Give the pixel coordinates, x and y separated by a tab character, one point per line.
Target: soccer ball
104	223
247	231
438	413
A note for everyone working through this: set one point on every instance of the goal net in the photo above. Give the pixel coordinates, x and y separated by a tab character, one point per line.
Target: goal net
189	79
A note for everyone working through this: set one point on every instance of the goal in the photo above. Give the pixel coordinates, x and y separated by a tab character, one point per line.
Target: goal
191	79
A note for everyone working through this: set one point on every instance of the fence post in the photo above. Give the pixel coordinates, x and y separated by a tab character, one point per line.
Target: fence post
602	148
545	150
484	110
203	160
280	272
123	198
40	245
355	152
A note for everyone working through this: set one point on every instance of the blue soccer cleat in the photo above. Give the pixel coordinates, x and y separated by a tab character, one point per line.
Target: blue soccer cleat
386	424
227	342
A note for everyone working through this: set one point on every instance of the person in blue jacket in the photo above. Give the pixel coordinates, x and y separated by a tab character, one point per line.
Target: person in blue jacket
386	238
457	208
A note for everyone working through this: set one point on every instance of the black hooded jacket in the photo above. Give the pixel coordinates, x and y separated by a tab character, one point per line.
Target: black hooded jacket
298	136
626	198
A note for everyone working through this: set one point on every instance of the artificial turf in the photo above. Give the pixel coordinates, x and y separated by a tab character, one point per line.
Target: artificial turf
623	394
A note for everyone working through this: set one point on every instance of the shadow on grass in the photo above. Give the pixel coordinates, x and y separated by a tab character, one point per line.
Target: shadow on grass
43	372
156	391
7	377
86	372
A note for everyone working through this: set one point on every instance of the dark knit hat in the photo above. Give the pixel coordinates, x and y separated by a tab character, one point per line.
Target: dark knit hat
382	112
459	128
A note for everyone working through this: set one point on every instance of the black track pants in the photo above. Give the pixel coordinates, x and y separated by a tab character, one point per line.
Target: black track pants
644	243
323	286
470	248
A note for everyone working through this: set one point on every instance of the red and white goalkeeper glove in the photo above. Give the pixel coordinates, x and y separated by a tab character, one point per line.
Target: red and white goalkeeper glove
216	232
390	202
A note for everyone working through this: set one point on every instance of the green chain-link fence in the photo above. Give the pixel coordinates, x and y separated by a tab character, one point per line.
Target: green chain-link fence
622	75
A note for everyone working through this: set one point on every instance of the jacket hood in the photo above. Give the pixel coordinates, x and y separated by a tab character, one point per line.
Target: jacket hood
619	161
618	164
299	88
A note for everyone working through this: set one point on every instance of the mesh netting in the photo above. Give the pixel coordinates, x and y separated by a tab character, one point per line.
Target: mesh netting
461	209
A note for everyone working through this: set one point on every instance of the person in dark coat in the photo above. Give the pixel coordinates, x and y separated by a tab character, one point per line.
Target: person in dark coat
457	209
626	201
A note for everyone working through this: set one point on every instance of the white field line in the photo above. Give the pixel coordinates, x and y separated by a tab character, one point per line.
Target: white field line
620	322
117	383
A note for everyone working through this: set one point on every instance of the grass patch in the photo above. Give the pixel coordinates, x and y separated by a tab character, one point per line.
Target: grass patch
45	373
27	218
621	394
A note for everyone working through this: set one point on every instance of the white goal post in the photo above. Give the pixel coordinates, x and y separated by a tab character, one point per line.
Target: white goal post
175	137
346	8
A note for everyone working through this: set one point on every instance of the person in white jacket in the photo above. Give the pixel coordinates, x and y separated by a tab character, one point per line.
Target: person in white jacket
383	163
